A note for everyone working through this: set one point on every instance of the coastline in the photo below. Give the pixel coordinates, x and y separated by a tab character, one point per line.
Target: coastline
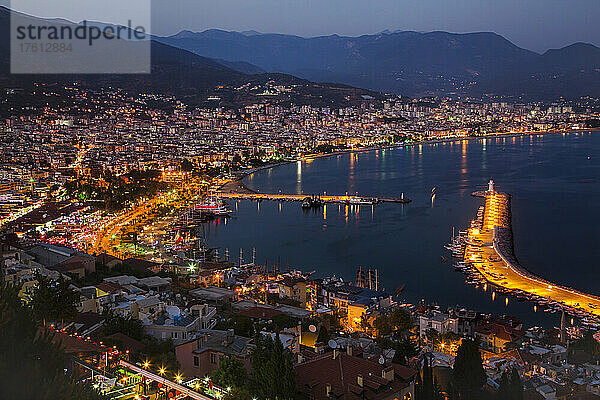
498	265
416	281
236	185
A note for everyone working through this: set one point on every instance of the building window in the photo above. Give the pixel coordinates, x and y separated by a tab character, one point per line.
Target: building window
196	361
213	358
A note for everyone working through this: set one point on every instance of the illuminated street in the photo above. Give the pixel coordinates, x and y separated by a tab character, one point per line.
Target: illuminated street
192	209
107	234
107	238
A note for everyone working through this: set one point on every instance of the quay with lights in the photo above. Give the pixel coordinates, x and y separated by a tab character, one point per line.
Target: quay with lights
489	251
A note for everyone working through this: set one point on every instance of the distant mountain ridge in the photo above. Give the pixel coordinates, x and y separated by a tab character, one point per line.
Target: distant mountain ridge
190	77
411	63
483	65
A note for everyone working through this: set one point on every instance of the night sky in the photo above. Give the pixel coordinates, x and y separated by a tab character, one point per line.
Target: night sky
533	24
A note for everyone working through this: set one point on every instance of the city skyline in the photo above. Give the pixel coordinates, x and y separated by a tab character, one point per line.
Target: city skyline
229	215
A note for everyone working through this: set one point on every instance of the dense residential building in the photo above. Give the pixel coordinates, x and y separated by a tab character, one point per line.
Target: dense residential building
201	355
102	190
175	327
354	302
294	289
495	336
438	321
344	376
63	259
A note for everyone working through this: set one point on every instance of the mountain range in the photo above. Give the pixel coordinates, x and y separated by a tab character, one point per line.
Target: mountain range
190	77
411	63
236	67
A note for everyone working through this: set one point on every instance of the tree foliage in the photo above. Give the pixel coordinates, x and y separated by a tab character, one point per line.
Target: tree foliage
397	322
282	321
405	350
382	325
238	394
54	300
400	320
273	372
511	387
426	387
432	335
186	165
468	376
31	366
126	325
587	344
365	325
242	325
324	336
160	353
231	373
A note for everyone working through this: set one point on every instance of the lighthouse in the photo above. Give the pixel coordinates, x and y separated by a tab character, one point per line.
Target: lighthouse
491	186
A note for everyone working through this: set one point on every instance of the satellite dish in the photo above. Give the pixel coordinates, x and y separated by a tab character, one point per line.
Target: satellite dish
312	328
381	360
333	344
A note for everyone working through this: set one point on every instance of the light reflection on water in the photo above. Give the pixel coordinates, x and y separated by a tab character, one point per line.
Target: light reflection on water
554	186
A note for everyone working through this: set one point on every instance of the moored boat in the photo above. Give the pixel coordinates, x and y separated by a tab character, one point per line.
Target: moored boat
212	206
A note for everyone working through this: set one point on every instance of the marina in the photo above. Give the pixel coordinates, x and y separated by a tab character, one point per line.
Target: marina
489	259
415	233
297	201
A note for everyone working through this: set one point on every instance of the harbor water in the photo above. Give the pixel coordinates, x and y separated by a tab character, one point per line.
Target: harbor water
554	180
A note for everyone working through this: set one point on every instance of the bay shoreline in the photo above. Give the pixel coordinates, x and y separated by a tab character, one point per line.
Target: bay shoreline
237	185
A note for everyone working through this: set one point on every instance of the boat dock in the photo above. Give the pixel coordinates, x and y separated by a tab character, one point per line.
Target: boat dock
345	199
489	250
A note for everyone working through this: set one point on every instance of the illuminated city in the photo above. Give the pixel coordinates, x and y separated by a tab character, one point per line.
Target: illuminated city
320	213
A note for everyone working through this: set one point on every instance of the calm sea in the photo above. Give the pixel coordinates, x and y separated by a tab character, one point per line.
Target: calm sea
555	185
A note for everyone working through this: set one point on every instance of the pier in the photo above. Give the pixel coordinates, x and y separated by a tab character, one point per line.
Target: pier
489	249
234	188
346	199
